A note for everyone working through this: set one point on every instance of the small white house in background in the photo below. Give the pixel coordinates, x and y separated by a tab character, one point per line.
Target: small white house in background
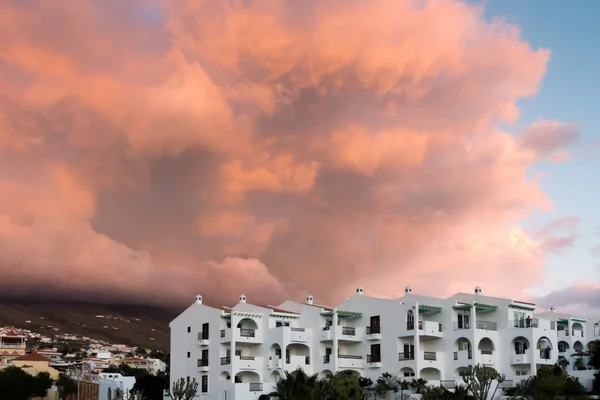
102	354
111	384
52	354
239	352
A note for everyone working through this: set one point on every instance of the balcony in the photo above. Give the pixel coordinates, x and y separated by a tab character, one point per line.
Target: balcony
12	346
523	357
255	387
202	365
486	325
426	328
350	361
295	362
487	357
463	357
373	332
406	357
203	339
327	359
298	335
245	363
248	335
525	323
225	360
448	384
576	333
343	333
275	362
544	356
374	360
225	336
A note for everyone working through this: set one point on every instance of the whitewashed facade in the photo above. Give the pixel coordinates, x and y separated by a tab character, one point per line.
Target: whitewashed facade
238	353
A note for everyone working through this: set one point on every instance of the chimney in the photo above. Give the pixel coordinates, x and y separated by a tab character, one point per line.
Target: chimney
553	309
242	298
408	289
477	289
198	299
359	291
309	299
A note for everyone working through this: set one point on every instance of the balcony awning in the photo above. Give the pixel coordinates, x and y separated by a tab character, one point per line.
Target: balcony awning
423	308
478	307
521	307
562	321
342	314
578	320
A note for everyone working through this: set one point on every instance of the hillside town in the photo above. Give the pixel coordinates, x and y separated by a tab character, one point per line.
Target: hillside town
98	369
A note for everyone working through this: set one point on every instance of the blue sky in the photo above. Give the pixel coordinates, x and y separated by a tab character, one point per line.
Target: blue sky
570	92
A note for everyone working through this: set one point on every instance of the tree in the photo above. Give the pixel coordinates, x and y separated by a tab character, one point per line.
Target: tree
344	385
479	380
547	384
595	354
66	386
572	388
41	384
184	389
418	384
16	384
366	387
298	386
385	383
152	386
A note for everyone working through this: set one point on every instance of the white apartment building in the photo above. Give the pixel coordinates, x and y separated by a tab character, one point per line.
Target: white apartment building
239	352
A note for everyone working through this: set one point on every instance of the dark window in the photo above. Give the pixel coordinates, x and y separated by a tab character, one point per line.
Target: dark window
189	329
204	383
188	354
278	324
205	331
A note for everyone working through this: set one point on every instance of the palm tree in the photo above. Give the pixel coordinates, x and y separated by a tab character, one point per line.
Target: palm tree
298	386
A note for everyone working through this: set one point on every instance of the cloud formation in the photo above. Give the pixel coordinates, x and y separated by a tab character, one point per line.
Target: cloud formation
155	149
582	298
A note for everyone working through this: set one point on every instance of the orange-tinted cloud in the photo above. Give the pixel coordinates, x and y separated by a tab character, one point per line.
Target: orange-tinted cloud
158	149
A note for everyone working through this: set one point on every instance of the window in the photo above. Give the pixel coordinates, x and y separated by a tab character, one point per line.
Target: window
204	383
188	354
521	373
281	323
407	374
189	329
205	331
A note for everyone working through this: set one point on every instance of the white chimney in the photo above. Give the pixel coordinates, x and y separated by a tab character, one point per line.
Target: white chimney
242	298
552	308
309	299
408	289
198	299
359	291
477	290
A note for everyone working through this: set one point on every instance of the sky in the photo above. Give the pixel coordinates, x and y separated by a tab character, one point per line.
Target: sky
152	150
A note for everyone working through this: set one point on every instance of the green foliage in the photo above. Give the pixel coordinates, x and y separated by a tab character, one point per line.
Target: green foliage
572	388
184	389
441	393
345	385
547	384
595	354
297	386
66	386
418	385
385	383
41	383
366	387
479	380
16	384
152	386
263	397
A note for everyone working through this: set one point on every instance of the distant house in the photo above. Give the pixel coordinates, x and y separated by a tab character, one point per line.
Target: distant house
52	354
12	345
33	363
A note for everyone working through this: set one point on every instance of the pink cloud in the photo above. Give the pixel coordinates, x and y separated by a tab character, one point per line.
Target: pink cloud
269	148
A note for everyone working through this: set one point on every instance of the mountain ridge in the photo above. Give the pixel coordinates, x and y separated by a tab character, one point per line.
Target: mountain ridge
131	324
